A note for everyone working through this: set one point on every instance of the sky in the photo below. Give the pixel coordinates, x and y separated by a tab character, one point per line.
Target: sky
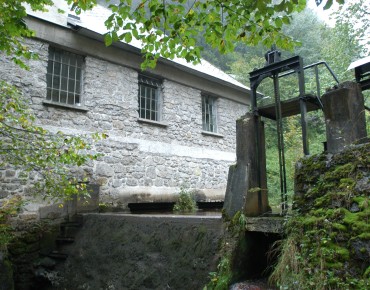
323	14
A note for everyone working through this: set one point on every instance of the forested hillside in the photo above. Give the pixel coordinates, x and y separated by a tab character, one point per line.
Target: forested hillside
338	46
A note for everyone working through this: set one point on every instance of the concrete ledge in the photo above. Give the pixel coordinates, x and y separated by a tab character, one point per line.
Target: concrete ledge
265	224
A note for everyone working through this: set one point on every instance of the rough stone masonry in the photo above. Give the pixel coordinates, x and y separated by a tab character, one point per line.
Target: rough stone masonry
142	161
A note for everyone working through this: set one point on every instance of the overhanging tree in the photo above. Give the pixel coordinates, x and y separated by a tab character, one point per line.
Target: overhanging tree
170	28
46	157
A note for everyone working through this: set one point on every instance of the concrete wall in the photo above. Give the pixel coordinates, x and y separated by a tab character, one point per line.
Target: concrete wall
142	252
143	161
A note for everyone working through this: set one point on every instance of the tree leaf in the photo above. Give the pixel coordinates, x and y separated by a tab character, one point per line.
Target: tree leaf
108	39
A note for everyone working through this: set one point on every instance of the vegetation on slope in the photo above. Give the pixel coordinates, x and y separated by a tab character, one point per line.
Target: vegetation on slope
327	243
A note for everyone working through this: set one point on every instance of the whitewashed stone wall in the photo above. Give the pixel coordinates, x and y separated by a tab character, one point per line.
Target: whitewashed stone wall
142	161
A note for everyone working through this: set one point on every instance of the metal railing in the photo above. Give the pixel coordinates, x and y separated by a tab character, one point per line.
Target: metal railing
317	76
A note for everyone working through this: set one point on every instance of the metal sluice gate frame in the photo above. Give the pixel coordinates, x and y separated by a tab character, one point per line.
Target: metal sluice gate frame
276	68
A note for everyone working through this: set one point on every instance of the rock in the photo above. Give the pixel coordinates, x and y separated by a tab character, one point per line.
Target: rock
47	263
103	169
251	285
354	207
361	249
363	185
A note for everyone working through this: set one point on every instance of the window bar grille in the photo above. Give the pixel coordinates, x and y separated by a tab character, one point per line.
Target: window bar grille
67	90
209	114
148	98
60	77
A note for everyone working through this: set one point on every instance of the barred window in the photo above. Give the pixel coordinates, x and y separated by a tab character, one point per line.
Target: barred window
64	74
149	98
209	114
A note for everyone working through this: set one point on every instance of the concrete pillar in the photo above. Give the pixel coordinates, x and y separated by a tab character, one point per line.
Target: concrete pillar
344	116
247	183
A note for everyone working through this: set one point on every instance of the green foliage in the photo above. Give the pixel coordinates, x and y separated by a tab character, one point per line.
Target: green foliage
220	280
338	46
170	28
230	250
8	209
325	247
186	202
45	156
13	28
237	223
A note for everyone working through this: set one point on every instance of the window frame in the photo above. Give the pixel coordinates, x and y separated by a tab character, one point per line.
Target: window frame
209	113
150	102
66	69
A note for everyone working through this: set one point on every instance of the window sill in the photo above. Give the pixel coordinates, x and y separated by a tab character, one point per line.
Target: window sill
59	105
151	122
213	134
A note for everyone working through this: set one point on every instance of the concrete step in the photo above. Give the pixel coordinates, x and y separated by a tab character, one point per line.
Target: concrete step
65	240
70	225
56	255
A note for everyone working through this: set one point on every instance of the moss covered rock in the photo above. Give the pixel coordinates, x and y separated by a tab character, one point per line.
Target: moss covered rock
328	236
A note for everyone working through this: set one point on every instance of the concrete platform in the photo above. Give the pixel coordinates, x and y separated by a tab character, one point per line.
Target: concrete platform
265	224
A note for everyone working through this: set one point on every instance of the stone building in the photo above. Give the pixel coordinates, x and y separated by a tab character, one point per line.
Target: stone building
169	127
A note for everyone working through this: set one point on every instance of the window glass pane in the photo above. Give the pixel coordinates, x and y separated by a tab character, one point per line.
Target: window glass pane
56	68
48	80
71	85
142	103
57	56
50	67
72	59
71	99
209	114
65	58
55	96
48	94
56	82
153	105
63	97
72	72
78	87
79	62
79	73
64	84
64	71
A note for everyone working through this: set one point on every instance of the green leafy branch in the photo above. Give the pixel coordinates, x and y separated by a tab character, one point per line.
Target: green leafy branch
170	29
50	157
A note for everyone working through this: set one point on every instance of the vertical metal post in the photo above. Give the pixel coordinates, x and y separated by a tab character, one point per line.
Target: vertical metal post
258	141
318	88
303	108
279	127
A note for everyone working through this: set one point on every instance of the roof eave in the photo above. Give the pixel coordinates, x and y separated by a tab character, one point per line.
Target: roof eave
99	37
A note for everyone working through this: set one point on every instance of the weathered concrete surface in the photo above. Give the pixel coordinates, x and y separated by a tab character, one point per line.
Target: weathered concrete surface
344	116
119	251
71	207
247	182
265	224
